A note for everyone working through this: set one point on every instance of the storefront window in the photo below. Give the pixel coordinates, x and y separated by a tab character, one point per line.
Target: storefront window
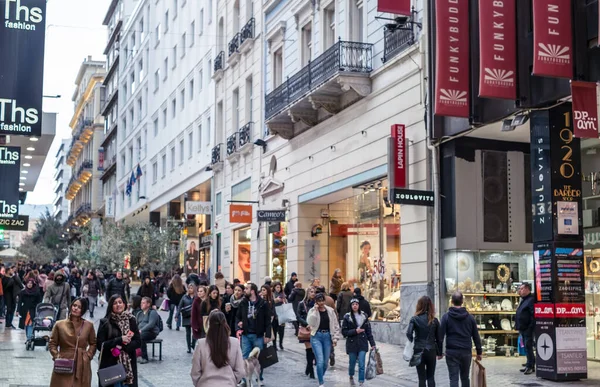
277	251
592	300
364	243
489	281
242	261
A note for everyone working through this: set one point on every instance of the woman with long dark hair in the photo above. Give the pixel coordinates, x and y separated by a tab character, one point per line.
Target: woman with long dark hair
74	338
231	307
218	358
278	300
423	330
356	328
212	302
303	308
185	315
118	338
175	292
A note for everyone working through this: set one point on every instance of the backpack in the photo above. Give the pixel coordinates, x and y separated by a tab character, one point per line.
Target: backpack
160	324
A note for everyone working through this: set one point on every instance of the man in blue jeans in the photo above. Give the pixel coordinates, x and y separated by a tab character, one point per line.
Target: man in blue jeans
253	319
460	330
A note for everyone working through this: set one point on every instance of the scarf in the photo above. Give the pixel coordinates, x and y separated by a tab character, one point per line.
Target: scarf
235	303
122	321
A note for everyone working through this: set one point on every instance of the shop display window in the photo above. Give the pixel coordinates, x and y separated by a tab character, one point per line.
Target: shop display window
241	257
489	281
364	243
277	251
592	301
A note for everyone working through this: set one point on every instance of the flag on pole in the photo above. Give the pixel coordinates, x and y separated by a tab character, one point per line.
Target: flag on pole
138	173
132	179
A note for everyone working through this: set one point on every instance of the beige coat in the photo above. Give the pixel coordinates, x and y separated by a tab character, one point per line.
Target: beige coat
206	374
314	320
62	345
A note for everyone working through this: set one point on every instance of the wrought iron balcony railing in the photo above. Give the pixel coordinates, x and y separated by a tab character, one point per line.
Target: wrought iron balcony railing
352	57
219	61
396	41
84	208
86	164
245	135
234	44
247	31
232	144
217	154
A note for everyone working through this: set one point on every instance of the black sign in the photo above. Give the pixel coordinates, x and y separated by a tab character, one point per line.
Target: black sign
541	189
270	215
20	223
205	240
273	227
10	168
22	39
414	197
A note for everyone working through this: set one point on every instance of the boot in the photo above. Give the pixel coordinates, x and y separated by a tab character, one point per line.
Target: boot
310	359
308	362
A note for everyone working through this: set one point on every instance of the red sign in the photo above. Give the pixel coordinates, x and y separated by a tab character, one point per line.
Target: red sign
398	7
570	310
585	109
399	158
240	213
452	58
544	311
552	38
497	49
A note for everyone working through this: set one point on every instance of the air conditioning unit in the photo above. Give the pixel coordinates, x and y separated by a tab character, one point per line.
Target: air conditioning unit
590	218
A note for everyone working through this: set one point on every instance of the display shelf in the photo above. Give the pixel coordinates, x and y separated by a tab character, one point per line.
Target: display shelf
491	312
499	332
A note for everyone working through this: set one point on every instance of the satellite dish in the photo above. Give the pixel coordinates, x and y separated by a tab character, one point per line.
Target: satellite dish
273	167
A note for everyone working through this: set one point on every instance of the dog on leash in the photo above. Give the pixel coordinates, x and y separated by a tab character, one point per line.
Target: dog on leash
253	368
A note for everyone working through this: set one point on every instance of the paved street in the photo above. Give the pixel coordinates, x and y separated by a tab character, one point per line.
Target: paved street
33	369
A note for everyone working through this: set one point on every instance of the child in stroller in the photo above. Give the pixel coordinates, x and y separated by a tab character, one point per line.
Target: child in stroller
43	322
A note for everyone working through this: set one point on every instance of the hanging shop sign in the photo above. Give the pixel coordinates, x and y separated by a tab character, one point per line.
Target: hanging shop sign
109	206
101	159
585	109
497	49
552	38
20	223
270	215
205	240
22	39
452	58
414	197
398	157
240	213
10	169
540	178
398	7
198	208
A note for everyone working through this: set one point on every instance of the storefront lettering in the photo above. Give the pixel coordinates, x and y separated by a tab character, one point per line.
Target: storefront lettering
567	193
566	135
500	36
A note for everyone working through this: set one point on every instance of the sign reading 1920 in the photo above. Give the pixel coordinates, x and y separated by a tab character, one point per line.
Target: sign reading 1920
22	40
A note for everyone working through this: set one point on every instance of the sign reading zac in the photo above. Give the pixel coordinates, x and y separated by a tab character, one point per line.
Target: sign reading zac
22	35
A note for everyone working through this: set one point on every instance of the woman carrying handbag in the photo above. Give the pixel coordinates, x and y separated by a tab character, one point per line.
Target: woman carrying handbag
304	330
423	332
118	340
72	346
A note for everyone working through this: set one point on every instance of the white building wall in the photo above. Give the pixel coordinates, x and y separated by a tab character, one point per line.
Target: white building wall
62	176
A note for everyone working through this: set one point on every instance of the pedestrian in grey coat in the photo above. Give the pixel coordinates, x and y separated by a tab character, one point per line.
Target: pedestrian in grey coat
185	310
59	294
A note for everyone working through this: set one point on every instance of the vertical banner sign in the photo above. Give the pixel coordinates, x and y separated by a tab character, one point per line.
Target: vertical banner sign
452	58
22	36
552	38
497	49
101	159
399	160
541	189
10	169
398	7
585	109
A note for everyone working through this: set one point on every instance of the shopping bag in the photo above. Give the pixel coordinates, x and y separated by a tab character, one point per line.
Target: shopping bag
409	349
478	378
101	300
371	371
285	313
165	305
268	356
379	363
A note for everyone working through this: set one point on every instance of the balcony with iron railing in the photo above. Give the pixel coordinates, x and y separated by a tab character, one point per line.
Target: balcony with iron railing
216	159
245	138
219	66
247	36
232	148
84	130
396	39
84	210
81	177
110	166
333	81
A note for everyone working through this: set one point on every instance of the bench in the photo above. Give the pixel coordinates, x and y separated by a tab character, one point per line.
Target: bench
159	343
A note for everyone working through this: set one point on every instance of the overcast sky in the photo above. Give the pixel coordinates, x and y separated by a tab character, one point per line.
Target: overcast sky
74	30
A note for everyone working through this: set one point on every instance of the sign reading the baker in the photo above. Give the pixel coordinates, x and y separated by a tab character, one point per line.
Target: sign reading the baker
270	215
552	38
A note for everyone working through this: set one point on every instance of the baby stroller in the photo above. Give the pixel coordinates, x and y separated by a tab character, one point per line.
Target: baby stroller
45	316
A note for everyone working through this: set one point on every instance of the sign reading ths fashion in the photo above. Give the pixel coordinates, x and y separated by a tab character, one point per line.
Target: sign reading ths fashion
20	223
198	208
22	39
585	109
452	58
497	49
552	38
414	197
398	162
10	169
270	215
398	7
240	213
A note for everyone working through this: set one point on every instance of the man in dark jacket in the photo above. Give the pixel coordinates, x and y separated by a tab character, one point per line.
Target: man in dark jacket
10	297
116	286
289	286
253	319
525	324
295	297
460	330
364	304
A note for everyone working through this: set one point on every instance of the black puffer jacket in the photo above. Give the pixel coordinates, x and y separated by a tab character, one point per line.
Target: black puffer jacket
343	302
295	297
116	286
524	321
186	304
357	342
302	313
426	335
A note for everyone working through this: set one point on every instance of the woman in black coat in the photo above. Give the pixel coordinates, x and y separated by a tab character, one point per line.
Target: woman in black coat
356	328
230	307
185	311
29	298
147	290
423	331
302	313
119	329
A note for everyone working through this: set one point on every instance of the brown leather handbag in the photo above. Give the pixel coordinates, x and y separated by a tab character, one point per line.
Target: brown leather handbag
303	333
